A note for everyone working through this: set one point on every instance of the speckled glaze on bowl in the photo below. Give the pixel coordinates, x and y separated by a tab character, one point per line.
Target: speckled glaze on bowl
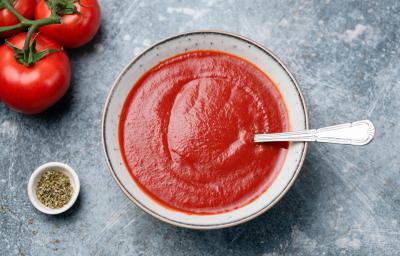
205	40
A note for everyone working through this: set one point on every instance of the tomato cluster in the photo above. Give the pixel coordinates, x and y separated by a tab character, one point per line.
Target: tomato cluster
32	84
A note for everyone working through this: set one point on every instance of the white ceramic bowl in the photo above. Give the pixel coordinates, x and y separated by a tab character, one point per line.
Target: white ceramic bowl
35	177
205	40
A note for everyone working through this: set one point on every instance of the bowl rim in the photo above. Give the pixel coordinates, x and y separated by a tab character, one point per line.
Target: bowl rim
213	226
38	172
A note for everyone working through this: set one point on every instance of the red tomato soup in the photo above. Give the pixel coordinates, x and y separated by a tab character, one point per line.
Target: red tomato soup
186	132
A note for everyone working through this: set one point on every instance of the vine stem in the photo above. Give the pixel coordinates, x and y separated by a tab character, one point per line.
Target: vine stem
32	24
13	27
31	30
24	22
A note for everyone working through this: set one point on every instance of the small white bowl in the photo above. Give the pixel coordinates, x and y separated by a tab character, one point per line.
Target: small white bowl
35	177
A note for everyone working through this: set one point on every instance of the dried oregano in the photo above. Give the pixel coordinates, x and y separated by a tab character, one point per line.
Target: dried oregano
54	189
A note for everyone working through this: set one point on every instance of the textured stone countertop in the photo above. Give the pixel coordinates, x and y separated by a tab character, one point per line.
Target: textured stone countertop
345	55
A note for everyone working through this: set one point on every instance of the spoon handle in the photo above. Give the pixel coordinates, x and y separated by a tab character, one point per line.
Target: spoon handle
357	133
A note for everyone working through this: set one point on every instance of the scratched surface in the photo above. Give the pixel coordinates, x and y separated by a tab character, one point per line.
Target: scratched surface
345	55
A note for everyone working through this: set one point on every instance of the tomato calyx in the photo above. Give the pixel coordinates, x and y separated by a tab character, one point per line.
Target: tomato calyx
30	57
62	7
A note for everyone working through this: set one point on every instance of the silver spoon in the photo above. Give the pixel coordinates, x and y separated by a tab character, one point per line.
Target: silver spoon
357	133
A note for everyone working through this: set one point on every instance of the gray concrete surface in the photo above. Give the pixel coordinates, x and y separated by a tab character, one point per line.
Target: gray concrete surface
345	55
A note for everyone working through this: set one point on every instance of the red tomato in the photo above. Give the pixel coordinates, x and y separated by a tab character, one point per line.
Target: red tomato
33	89
76	29
24	7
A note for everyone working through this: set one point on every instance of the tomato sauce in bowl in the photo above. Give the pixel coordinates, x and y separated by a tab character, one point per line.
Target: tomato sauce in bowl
186	132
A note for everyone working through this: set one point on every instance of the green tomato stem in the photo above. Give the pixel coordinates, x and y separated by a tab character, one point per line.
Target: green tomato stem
13	27
31	30
32	24
28	55
24	22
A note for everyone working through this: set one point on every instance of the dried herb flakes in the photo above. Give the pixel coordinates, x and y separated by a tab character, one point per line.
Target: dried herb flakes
54	189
